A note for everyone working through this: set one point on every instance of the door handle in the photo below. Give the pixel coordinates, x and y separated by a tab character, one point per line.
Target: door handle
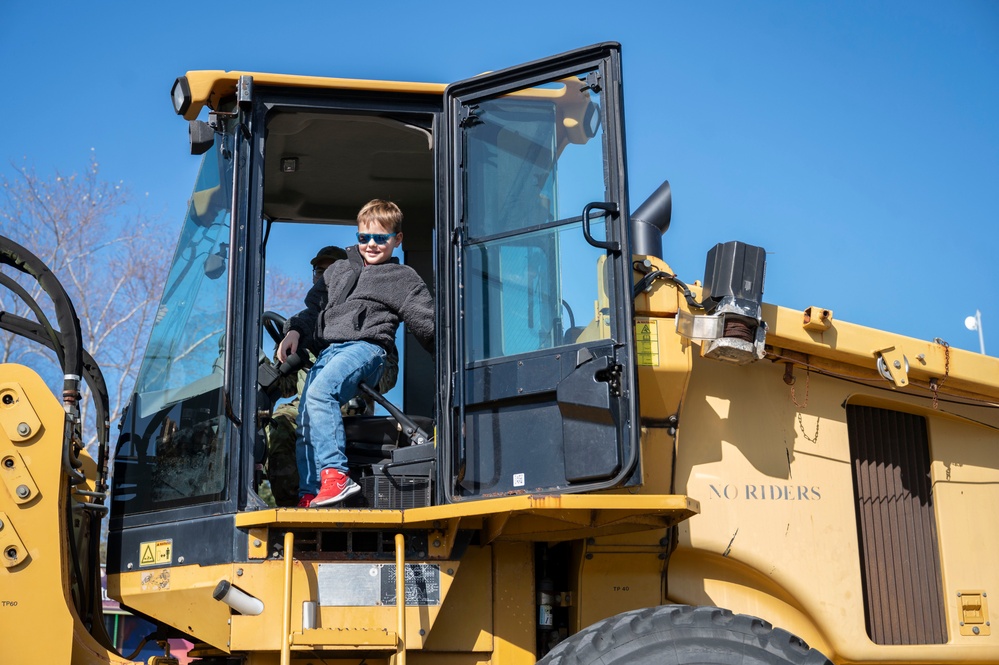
608	207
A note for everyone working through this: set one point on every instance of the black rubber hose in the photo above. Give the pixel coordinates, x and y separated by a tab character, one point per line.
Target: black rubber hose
651	277
93	377
21	259
43	321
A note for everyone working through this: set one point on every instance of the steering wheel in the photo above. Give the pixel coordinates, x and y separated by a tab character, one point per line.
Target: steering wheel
274	325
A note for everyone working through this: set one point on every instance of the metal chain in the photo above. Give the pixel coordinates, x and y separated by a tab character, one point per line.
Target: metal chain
801	425
934	383
801	406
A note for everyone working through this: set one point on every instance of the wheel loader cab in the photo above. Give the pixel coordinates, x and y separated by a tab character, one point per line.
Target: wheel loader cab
322	163
292	169
513	193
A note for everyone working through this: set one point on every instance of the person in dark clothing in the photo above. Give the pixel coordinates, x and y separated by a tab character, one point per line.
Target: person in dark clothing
352	315
281	466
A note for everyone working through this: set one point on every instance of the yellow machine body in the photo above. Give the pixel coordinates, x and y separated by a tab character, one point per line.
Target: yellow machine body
38	620
779	533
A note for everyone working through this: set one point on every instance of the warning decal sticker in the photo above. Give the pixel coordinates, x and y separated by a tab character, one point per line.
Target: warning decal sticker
156	552
647	342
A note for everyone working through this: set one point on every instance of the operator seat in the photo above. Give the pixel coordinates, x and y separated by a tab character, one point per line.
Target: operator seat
373	439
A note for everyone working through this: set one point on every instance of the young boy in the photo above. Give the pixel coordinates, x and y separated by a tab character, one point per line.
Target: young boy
354	312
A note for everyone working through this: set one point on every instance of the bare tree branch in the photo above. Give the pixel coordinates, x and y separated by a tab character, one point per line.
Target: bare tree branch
109	256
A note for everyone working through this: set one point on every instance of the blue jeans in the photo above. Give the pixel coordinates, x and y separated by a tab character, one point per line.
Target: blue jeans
332	382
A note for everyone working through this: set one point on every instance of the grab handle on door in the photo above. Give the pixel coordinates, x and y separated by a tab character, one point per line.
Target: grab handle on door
608	207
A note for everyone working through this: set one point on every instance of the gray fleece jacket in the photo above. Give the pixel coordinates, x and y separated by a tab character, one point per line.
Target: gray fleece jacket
385	294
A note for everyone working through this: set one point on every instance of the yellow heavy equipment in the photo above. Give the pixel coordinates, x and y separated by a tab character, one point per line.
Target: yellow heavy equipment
601	463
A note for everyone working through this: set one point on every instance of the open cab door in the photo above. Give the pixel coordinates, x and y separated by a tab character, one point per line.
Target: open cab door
539	393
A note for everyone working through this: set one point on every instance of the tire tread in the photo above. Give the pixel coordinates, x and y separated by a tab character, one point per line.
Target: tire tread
747	639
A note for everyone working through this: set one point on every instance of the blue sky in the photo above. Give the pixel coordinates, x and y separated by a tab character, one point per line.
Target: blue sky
858	142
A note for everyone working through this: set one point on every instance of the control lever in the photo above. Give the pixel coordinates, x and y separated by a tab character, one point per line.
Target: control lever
412	431
268	373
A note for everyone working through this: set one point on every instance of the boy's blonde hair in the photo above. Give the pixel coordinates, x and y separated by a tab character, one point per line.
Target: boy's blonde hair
382	213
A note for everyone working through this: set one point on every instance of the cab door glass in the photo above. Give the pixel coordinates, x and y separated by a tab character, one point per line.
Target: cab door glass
533	159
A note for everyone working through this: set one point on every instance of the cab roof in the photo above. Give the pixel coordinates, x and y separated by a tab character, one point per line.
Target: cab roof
210	87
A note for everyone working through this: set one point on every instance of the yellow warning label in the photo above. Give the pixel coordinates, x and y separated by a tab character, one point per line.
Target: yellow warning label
647	342
156	552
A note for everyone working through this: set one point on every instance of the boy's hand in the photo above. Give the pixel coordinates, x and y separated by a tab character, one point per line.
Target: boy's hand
288	345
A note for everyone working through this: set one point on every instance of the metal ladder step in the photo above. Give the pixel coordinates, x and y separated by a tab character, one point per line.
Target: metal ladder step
347	639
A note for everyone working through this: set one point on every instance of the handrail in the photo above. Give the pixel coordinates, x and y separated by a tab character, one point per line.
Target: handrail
289	560
400	596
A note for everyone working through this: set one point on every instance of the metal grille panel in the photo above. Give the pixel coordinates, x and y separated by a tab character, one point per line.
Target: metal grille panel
896	526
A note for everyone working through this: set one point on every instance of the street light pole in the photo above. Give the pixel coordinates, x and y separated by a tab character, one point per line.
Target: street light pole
975	323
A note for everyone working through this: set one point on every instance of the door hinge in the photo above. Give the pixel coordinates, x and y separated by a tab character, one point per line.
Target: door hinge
468	116
612	375
244	89
593	82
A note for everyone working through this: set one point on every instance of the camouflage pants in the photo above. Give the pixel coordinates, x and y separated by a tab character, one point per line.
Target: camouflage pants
282	470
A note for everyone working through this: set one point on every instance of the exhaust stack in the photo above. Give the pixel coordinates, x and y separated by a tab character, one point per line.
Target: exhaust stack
650	221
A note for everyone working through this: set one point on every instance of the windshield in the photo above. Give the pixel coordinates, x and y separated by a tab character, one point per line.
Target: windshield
172	448
187	337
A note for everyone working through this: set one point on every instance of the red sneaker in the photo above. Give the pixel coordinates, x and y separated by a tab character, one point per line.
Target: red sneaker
305	500
337	486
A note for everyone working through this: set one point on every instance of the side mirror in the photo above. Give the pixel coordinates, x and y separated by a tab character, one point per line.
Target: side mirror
206	205
215	263
202	136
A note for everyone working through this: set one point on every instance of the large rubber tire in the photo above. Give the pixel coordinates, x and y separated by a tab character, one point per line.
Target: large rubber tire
682	635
